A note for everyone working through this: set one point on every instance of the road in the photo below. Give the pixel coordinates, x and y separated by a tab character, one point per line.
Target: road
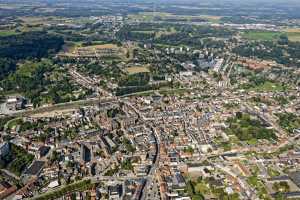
149	180
155	165
87	81
62	106
245	186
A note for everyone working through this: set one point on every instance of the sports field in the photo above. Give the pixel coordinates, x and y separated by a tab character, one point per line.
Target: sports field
135	70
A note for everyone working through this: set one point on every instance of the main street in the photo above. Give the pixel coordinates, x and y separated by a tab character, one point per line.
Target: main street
155	165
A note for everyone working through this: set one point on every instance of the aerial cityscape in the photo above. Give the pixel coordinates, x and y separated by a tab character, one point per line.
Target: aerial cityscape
150	99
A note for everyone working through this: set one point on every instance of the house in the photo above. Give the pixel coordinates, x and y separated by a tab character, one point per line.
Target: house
179	181
15	103
6	189
115	192
43	151
186	74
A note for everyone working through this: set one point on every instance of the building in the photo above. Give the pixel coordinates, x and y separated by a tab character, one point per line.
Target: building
15	103
4	149
218	65
295	176
43	151
36	168
85	153
115	192
6	189
179	181
185	74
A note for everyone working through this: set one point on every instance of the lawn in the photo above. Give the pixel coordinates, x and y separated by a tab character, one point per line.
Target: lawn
170	91
261	35
150	16
3	122
269	87
145	32
211	18
247	128
14	122
259	186
272	172
61	191
8	33
252	141
253	181
17	160
288	121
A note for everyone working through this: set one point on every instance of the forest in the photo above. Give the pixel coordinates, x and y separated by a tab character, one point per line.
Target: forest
28	45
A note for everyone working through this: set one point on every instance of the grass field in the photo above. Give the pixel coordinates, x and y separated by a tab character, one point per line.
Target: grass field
269	87
293	34
78	45
211	18
43	20
135	70
7	33
13	123
261	35
105	46
149	16
145	32
294	37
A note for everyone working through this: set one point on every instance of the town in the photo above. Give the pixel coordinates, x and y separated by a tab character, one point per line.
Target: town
148	105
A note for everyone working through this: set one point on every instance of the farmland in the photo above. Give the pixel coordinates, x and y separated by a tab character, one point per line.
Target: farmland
293	34
261	35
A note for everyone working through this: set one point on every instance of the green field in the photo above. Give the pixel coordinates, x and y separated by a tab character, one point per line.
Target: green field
211	18
261	35
14	122
7	33
150	16
269	87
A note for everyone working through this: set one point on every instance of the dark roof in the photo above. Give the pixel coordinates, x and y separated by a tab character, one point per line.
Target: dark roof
116	189
179	178
279	178
215	182
230	154
35	168
44	150
295	176
288	194
5	184
156	97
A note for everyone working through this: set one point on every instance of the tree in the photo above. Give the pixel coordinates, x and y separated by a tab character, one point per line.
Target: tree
281	186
